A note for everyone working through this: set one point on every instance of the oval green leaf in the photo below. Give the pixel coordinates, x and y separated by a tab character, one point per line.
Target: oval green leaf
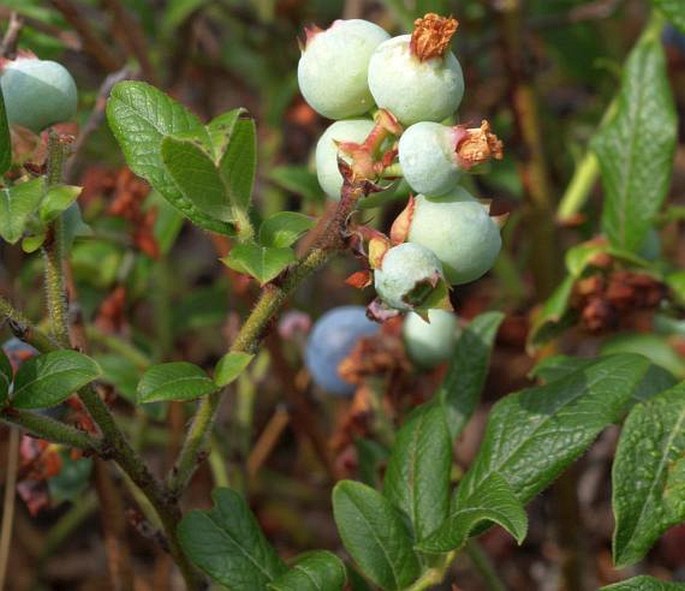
230	366
375	535
227	544
315	571
50	378
178	380
648	477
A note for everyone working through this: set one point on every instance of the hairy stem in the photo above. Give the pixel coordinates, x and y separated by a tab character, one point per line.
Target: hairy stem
256	326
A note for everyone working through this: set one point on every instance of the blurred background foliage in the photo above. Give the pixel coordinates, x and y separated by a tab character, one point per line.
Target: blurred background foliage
151	288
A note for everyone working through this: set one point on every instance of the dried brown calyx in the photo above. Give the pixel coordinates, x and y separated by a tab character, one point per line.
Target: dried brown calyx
478	146
432	35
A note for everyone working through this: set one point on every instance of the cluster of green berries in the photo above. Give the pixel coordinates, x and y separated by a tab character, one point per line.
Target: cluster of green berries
390	97
37	93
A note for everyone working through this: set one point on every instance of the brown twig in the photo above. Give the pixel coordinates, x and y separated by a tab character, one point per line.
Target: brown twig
95	119
532	164
92	42
132	38
67	38
8	47
114	527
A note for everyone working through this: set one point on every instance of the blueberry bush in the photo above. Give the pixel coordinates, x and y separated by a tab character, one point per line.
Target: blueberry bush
370	315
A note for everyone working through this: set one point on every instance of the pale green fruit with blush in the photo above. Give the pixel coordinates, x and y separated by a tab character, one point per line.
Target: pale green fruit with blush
37	93
428	159
459	230
326	155
430	342
332	71
411	89
408	276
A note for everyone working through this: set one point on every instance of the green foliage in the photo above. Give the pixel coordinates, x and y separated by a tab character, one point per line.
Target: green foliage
417	479
17	204
261	262
649	474
5	140
284	228
227	544
644	583
566	415
493	502
314	571
673	10
5	377
636	148
178	380
230	366
48	379
168	146
375	535
460	390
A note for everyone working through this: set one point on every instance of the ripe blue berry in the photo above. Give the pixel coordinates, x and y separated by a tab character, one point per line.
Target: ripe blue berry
332	71
332	339
408	275
430	343
37	93
349	130
458	229
416	77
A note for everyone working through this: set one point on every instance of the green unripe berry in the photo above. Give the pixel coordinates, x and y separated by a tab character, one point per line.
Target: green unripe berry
458	229
332	71
429	344
411	89
428	158
326	156
408	275
37	93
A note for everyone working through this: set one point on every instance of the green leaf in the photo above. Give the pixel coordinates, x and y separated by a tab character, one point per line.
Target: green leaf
238	163
178	380
417	479
314	571
220	130
283	228
468	368
5	139
227	544
533	435
493	502
635	149
140	117
50	378
554	317
17	203
648	474
644	583
558	366
31	244
674	11
5	377
230	366
261	262
197	177
56	200
375	535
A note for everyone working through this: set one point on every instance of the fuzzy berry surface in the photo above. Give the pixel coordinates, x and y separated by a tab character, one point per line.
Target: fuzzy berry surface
430	343
332	338
458	229
332	71
326	155
428	159
407	275
38	93
414	90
